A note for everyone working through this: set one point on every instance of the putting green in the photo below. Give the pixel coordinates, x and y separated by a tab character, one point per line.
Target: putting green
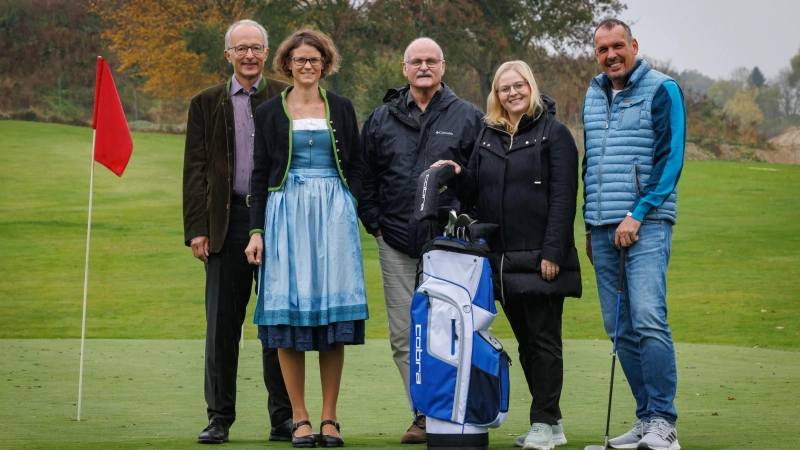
148	394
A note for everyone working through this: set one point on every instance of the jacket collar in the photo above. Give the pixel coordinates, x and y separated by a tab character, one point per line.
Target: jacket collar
396	97
261	85
322	92
641	68
527	122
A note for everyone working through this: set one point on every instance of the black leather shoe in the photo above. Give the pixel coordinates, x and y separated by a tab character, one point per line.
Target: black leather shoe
303	441
215	433
329	441
282	432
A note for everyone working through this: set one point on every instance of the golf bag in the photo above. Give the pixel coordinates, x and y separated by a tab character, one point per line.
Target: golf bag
459	371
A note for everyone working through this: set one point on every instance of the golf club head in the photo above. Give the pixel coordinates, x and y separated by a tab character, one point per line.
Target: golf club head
597	447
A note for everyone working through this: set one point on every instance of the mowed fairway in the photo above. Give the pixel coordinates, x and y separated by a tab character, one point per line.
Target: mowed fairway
734	281
145	394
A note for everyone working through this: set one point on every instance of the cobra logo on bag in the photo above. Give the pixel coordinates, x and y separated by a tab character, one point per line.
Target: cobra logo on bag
418	352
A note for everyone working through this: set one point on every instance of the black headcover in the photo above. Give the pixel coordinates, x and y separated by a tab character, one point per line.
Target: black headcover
430	184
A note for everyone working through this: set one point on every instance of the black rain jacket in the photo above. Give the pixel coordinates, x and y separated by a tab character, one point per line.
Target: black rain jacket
396	151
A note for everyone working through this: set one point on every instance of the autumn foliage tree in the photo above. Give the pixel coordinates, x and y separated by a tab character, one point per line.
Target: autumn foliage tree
149	38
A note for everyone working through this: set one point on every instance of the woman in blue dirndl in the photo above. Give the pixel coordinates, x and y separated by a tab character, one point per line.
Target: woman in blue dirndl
306	179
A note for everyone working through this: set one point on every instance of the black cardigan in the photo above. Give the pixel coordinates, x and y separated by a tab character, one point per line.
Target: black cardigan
272	152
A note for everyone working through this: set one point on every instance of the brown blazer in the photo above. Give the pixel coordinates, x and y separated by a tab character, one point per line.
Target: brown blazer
208	160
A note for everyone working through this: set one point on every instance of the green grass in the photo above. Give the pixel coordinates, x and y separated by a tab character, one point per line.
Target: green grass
143	282
733	282
736	248
148	394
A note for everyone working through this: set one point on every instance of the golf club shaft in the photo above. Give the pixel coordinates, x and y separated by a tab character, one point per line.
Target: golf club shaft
610	393
620	283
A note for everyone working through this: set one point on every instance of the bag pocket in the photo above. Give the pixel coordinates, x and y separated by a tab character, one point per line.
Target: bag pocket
487	401
436	351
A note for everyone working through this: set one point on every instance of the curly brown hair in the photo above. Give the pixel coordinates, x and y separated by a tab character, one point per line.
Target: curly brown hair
317	39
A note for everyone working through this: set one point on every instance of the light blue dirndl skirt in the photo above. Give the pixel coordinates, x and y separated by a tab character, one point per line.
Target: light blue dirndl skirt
312	274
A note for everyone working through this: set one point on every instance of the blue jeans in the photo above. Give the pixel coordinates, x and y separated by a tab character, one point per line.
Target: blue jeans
644	341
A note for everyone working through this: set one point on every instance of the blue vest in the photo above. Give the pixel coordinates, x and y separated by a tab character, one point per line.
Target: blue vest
620	144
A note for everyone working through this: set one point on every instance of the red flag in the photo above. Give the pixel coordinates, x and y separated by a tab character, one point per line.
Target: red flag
113	144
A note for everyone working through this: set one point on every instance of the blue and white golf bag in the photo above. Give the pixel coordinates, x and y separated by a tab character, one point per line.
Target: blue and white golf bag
459	371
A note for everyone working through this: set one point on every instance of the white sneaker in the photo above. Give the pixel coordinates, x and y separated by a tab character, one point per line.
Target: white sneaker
631	438
558	436
539	437
519	441
659	435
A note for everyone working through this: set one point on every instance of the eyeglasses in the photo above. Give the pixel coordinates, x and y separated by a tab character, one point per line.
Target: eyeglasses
300	62
241	50
417	63
518	87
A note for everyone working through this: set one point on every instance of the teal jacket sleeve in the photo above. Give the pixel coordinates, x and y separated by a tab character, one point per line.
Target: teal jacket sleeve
669	124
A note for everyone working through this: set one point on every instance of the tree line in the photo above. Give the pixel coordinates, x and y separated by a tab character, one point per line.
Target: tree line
164	51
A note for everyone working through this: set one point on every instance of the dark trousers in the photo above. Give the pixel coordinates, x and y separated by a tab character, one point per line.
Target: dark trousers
536	322
229	283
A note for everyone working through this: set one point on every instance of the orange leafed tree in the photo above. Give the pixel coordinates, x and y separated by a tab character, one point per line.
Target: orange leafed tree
148	37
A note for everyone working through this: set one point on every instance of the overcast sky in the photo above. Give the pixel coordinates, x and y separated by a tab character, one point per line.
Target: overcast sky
717	36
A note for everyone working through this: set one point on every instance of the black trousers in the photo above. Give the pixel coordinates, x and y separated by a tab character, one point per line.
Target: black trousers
229	283
536	322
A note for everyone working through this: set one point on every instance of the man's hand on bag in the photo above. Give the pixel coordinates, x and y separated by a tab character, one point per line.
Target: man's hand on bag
444	162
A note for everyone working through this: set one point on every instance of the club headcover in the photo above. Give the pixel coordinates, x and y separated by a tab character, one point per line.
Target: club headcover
430	184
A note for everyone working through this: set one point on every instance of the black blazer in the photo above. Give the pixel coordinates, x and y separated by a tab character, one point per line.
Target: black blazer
271	157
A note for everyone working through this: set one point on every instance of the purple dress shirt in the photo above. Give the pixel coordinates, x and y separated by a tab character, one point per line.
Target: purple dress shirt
244	134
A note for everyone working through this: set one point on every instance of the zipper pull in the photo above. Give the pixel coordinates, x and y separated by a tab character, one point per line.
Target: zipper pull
606	124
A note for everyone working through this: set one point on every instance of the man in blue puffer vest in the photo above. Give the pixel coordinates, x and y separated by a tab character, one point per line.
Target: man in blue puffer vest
634	132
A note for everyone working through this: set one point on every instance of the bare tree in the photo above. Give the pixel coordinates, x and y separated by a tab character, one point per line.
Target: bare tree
789	99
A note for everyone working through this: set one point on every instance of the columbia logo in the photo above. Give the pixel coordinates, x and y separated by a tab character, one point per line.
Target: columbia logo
444	132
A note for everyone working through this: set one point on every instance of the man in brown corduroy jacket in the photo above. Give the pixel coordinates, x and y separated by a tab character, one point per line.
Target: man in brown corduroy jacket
216	219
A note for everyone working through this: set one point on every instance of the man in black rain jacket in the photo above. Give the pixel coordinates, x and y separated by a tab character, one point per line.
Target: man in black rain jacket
416	126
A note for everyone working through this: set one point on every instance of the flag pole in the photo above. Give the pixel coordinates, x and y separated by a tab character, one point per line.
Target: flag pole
86	278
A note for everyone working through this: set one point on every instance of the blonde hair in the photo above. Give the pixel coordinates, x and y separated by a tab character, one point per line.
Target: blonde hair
496	115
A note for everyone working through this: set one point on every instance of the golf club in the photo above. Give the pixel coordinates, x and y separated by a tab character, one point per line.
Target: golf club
620	281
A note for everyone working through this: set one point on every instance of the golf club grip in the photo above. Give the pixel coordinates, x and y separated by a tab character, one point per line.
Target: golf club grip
623	251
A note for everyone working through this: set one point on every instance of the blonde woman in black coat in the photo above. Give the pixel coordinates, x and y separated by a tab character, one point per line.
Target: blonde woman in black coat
523	176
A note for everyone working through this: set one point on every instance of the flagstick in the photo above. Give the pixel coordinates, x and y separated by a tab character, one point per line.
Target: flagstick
86	278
